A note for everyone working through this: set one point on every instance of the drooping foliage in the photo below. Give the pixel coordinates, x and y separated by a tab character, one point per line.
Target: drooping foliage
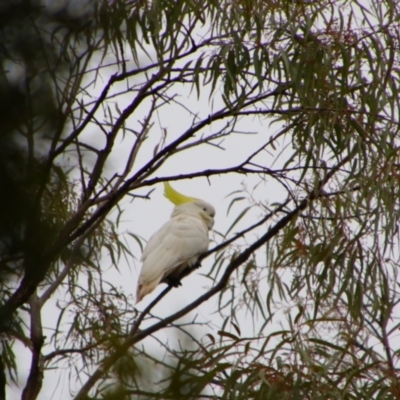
100	98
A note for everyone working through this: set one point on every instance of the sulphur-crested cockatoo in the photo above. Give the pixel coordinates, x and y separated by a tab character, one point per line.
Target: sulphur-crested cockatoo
178	244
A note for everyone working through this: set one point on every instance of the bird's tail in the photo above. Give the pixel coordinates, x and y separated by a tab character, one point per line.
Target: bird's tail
143	290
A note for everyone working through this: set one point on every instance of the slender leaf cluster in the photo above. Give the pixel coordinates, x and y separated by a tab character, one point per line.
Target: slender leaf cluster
304	275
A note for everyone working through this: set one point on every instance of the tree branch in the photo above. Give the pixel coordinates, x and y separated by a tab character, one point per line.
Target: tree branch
109	361
35	378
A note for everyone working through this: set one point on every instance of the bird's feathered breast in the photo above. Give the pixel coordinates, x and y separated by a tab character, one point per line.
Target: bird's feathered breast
181	240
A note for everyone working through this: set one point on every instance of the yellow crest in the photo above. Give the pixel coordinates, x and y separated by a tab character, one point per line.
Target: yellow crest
175	197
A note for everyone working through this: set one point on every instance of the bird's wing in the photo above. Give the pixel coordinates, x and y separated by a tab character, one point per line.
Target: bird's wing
178	241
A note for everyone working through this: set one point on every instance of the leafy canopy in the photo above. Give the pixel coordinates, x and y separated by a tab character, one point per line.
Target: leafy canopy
88	91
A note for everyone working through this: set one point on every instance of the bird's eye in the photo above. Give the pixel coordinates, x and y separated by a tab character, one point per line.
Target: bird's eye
205	209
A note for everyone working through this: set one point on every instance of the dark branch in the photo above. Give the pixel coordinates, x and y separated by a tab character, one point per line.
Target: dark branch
109	361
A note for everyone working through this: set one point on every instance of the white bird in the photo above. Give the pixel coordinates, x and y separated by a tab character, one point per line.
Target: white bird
178	244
